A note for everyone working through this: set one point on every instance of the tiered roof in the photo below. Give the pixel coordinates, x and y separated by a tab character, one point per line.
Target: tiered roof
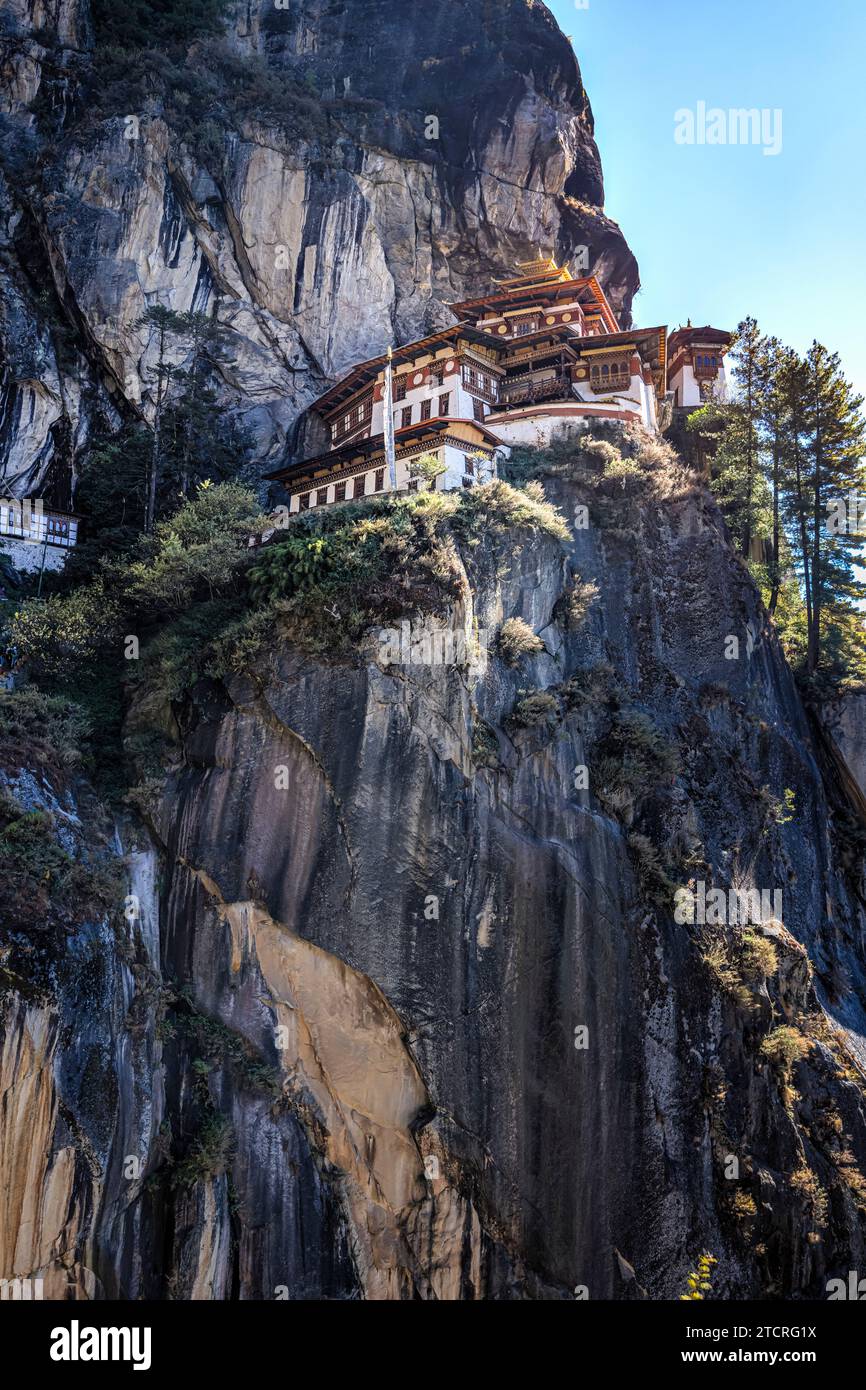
545	281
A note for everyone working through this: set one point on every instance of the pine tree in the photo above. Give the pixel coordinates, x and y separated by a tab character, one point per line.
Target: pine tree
775	416
749	361
788	458
736	474
836	437
193	436
166	323
791	384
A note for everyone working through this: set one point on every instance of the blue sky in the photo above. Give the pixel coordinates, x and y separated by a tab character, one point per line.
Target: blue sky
723	231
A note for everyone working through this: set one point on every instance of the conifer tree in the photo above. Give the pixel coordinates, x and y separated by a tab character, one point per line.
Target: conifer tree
836	439
792	387
775	416
788	459
737	475
192	435
749	361
165	323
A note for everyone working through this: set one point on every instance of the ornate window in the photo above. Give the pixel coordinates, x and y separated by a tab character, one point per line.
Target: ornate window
426	408
321	496
359	415
340	492
478	410
609	376
379	480
706	367
405	416
479	383
444	402
303	502
400	388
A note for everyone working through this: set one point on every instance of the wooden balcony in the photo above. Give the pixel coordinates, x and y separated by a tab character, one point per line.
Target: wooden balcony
604	386
528	392
481	393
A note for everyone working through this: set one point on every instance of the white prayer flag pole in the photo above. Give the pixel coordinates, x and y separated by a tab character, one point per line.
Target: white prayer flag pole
390	443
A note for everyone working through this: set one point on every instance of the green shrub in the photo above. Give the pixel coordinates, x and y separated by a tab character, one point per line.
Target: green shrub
633	759
716	957
784	1046
493	509
485	746
624	471
222	1046
805	1183
195	554
210	1153
607	454
151	23
779	810
59	635
40	878
537	709
42	728
576	602
557	459
758	954
426	468
516	639
340	571
656	884
593	687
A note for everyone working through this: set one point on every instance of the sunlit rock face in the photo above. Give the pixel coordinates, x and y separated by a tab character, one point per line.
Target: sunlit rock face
432	156
447	1035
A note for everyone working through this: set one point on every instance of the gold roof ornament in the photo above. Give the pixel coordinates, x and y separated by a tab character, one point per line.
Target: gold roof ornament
543	270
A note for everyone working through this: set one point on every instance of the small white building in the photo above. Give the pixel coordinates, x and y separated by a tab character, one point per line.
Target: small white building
696	372
35	537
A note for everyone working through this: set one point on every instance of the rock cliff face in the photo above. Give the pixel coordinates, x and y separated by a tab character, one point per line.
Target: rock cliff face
393	1002
846	720
431	157
422	1015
